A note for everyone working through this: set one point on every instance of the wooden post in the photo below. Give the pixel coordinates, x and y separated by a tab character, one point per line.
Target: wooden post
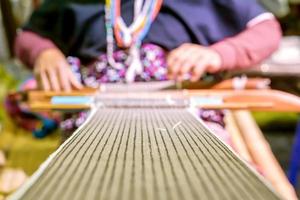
2	159
9	24
239	144
262	154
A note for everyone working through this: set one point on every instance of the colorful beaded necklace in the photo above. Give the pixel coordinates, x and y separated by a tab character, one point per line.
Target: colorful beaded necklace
131	36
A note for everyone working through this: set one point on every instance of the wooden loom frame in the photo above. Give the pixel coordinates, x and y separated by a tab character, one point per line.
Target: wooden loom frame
254	100
237	101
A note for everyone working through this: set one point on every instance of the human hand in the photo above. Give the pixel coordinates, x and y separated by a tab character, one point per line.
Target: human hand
192	59
53	71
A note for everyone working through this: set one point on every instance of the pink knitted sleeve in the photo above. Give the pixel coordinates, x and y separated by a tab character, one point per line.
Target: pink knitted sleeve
251	46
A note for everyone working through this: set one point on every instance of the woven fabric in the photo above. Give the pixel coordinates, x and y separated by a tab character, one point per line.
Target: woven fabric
144	153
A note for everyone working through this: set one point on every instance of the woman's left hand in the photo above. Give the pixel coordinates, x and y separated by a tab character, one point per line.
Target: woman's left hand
192	59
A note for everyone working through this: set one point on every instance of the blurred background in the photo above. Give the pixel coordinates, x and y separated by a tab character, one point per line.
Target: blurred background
21	153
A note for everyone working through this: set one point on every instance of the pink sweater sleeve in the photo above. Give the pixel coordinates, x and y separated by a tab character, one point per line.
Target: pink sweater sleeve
29	45
251	46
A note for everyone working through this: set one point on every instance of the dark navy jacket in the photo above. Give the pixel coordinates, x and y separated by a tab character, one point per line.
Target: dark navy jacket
77	26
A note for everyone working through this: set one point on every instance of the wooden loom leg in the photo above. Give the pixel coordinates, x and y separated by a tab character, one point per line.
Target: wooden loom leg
262	155
2	159
236	137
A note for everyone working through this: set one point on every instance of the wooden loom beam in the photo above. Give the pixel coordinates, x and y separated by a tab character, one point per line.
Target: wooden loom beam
254	100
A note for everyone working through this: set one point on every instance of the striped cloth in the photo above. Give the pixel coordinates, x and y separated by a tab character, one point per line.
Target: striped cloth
144	153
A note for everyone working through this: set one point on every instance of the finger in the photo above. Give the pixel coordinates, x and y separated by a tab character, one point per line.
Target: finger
183	73
44	80
172	62
38	79
37	75
52	74
75	83
199	70
189	63
173	58
174	70
64	79
64	70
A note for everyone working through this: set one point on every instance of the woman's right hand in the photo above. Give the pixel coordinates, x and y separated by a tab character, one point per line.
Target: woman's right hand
53	72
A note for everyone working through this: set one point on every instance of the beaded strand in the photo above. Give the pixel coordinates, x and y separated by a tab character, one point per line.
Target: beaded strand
129	37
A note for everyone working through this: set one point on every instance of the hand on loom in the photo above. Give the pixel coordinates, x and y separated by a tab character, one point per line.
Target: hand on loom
192	59
53	72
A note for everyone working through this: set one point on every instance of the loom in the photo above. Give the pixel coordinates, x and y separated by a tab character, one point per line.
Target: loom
139	145
252	99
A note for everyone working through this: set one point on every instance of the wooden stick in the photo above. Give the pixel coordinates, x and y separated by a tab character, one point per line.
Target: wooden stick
39	106
236	136
256	100
281	101
252	83
231	106
238	106
262	155
2	159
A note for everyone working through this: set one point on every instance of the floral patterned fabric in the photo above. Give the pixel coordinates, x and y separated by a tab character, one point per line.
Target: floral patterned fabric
153	59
